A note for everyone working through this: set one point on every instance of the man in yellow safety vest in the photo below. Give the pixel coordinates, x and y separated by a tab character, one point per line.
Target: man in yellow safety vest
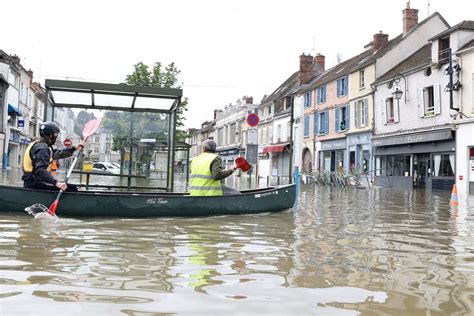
207	173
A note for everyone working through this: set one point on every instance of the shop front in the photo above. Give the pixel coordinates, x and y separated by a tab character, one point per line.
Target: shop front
332	156
228	155
279	159
418	160
360	152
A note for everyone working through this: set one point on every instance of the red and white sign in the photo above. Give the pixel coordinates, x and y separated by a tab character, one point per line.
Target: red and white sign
67	142
253	119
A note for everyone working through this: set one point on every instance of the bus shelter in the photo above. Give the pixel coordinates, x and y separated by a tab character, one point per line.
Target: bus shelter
131	115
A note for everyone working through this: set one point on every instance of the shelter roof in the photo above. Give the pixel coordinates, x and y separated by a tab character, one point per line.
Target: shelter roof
120	97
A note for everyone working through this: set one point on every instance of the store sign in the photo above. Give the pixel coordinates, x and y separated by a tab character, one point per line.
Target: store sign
228	152
414	138
335	144
21	123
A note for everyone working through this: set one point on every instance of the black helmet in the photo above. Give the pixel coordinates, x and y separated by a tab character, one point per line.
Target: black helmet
48	129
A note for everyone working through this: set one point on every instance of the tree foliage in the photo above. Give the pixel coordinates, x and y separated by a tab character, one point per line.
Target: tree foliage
160	78
146	125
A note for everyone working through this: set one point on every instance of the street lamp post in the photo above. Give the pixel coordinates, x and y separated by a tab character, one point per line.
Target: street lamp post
397	94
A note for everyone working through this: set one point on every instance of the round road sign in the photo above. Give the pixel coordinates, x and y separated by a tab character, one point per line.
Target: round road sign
67	142
253	119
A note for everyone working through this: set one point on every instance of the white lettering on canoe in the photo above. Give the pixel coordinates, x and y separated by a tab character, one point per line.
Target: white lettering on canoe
156	201
265	194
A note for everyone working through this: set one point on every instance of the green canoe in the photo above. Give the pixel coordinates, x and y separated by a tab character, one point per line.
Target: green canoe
138	204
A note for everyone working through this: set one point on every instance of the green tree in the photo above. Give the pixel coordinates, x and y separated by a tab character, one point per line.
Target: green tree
161	78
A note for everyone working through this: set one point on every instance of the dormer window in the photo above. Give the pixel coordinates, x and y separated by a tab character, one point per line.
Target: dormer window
443	50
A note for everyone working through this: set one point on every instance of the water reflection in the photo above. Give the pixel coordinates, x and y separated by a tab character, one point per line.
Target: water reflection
341	252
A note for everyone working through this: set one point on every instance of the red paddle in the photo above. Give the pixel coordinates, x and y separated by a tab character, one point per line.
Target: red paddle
90	128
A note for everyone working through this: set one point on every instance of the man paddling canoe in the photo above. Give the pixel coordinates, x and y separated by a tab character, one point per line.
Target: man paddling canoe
38	158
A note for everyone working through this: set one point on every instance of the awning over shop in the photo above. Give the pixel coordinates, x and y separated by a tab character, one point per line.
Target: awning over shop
275	148
413	138
13	109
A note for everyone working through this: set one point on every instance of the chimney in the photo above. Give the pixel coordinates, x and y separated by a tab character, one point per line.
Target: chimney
319	62
30	73
410	18
380	39
248	100
215	113
306	68
16	59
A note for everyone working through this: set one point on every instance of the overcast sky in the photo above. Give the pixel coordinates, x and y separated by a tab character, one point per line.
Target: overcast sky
224	49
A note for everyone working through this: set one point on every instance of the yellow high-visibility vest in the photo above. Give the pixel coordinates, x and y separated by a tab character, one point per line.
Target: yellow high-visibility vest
201	183
28	164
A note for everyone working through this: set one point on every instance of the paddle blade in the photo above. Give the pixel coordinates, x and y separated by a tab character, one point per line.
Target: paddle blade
90	128
53	207
36	208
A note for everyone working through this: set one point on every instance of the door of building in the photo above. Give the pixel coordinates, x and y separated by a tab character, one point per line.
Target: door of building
421	166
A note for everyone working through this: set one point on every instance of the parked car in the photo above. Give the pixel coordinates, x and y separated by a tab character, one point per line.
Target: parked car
105	167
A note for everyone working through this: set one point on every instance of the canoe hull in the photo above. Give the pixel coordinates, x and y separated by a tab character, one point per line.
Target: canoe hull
137	205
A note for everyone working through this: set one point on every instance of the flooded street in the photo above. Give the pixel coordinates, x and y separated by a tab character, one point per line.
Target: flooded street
339	252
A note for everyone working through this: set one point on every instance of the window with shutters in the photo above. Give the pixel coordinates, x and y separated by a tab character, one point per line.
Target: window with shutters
323	122
306	126
390	111
321	94
361	79
428	97
429	101
342	118
316	123
342	86
361	113
307	99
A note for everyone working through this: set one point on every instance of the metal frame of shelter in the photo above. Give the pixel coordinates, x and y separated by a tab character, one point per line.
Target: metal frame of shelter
118	97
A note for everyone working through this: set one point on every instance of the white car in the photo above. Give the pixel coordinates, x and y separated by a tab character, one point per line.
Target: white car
105	167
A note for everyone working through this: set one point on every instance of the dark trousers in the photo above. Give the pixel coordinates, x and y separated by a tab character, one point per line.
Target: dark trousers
47	187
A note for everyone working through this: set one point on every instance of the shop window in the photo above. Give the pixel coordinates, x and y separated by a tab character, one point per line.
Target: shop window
339	160
443	165
395	165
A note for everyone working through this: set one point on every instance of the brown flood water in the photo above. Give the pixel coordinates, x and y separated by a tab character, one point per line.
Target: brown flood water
340	252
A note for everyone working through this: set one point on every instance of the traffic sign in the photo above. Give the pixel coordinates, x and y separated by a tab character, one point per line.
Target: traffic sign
67	142
253	119
252	137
